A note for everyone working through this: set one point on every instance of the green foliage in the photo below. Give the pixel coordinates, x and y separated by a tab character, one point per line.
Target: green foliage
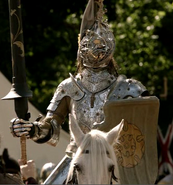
139	36
51	47
143	33
5	50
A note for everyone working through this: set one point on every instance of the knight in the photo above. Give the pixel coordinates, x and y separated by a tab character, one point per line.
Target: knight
84	94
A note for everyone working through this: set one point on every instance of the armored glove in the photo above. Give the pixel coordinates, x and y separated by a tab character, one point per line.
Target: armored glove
20	127
40	131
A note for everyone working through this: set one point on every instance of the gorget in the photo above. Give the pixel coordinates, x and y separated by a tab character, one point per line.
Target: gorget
89	109
96	81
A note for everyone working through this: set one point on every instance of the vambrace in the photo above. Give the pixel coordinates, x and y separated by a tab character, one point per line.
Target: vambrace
46	130
55	132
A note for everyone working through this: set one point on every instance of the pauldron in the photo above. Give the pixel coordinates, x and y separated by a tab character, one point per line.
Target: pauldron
68	87
125	88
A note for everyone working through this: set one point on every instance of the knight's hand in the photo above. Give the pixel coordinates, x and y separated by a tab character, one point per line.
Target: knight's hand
20	127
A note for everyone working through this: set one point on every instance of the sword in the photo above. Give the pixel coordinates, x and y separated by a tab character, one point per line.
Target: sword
19	91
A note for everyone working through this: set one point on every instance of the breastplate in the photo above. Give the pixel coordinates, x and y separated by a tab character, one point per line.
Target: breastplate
89	109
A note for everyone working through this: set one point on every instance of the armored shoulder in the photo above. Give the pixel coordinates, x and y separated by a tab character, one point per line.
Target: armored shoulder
68	87
125	88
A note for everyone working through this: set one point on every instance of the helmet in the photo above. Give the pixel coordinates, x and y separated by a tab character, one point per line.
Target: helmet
97	44
46	170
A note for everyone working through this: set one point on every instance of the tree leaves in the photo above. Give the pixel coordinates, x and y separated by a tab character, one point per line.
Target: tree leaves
143	32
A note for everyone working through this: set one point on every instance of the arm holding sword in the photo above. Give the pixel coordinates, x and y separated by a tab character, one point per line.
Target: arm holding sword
43	129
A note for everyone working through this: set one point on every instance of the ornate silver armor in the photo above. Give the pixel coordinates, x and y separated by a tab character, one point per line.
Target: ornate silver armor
84	97
89	91
89	109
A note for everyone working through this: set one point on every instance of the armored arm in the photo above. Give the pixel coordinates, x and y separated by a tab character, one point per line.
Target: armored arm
48	129
44	129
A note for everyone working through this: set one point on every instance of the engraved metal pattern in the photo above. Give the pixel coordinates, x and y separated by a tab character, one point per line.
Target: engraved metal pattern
96	48
130	146
86	115
89	109
125	88
66	88
93	90
96	81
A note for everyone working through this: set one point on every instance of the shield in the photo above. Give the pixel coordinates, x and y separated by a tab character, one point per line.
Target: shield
136	144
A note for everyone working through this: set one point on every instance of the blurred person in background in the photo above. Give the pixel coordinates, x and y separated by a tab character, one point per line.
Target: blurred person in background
13	173
46	171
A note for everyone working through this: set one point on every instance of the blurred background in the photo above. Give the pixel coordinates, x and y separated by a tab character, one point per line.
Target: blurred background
144	50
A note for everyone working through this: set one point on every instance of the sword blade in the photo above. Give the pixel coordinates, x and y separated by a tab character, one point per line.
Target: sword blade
19	91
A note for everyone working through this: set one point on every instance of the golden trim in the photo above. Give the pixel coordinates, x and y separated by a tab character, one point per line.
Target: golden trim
130	146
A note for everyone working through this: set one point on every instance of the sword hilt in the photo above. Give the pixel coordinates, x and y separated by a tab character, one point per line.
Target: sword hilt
23	149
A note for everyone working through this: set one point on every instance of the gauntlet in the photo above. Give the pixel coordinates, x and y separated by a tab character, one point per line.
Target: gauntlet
40	131
20	127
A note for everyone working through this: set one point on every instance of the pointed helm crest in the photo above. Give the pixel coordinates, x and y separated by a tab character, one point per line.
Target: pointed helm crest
96	41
